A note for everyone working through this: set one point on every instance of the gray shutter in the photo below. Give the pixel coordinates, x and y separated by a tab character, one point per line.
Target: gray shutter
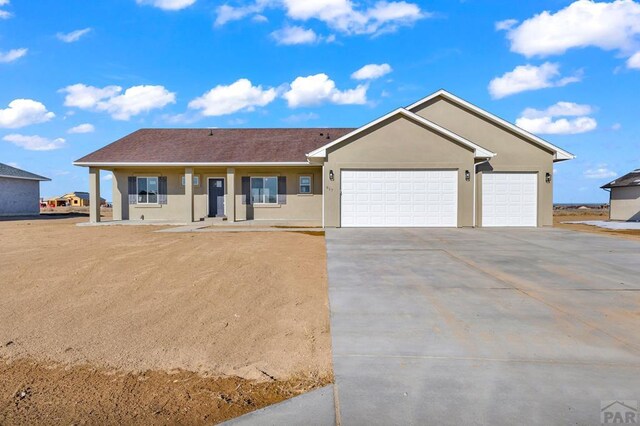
246	190
133	190
282	190
162	190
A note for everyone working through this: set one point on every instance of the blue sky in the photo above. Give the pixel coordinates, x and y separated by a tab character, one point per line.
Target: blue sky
568	71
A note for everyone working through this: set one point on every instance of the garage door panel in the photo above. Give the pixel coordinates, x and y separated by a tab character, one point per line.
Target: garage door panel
509	199
399	198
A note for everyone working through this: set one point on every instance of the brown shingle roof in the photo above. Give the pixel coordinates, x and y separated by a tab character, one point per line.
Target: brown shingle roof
630	179
214	146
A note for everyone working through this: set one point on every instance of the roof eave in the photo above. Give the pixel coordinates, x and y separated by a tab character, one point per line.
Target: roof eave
187	164
38	178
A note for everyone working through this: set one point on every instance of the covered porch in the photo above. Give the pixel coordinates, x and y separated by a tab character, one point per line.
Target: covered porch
239	195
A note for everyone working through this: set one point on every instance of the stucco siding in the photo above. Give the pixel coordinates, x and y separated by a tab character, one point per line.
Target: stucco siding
625	203
515	153
398	143
19	197
306	207
297	207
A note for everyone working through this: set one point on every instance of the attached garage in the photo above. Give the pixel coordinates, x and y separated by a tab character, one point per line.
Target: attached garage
441	162
399	198
509	199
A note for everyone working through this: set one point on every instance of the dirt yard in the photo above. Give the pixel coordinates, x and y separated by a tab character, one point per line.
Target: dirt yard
123	325
560	216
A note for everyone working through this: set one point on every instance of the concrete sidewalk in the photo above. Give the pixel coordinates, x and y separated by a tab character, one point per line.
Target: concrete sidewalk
315	408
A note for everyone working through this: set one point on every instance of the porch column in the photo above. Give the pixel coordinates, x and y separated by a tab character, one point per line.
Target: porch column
231	195
188	193
94	195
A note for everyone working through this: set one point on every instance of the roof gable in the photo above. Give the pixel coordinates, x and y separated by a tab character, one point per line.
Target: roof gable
478	150
559	153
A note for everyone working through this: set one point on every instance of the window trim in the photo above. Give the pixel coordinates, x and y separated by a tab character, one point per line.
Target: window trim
251	178
147	203
195	178
310	185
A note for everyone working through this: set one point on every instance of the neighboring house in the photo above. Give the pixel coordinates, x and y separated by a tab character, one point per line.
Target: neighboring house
439	162
19	192
72	199
624	197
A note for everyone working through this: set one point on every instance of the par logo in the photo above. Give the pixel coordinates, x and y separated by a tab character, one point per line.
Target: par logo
619	412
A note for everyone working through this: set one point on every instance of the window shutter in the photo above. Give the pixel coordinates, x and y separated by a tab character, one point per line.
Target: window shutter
133	190
282	190
162	190
246	190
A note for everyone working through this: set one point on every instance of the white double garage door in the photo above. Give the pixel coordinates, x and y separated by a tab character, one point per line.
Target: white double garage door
429	198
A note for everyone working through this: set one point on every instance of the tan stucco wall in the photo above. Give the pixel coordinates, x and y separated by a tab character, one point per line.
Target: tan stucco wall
399	143
515	154
625	203
298	207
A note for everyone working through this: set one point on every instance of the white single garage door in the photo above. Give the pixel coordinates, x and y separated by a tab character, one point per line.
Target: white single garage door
509	199
399	198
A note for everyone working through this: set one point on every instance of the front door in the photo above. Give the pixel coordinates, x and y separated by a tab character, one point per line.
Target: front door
216	197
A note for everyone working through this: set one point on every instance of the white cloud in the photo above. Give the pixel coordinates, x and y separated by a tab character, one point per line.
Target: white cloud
318	89
226	13
634	61
35	143
529	77
24	112
544	121
606	25
560	109
135	100
85	97
300	118
108	176
507	24
82	128
3	13
73	36
291	35
371	72
340	15
239	96
561	126
601	171
168	4
12	55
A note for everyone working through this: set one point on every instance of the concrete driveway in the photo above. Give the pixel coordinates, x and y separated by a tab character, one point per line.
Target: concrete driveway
482	326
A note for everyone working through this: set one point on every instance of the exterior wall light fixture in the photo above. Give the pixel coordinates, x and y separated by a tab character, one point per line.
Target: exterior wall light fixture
547	178
467	175
331	175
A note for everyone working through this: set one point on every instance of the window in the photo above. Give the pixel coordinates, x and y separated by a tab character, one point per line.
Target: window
305	185
196	180
264	190
147	190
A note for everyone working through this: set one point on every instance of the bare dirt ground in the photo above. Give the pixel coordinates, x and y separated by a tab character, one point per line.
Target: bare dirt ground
123	325
560	216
